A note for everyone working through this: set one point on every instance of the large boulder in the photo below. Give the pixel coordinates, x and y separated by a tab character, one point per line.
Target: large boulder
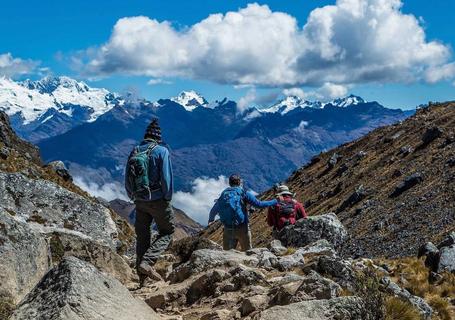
50	205
343	308
65	243
205	259
77	290
23	257
306	231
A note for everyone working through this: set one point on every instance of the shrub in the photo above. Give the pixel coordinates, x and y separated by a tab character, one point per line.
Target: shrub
440	306
367	287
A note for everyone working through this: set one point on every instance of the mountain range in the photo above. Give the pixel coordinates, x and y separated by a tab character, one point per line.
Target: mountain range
93	130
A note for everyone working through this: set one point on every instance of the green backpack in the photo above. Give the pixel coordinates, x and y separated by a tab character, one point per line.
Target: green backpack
137	172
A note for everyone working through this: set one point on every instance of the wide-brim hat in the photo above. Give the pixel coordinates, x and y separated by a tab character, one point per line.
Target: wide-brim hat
283	190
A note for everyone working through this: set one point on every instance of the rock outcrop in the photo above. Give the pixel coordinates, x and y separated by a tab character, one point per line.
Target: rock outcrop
77	290
51	205
306	231
23	257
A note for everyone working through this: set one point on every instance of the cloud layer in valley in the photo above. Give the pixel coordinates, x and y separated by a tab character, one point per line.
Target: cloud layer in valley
353	41
199	201
108	191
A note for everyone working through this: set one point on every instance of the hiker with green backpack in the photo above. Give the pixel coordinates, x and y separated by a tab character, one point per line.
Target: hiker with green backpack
149	183
232	209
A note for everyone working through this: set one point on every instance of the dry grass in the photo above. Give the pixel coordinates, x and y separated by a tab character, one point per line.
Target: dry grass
397	309
411	274
6	307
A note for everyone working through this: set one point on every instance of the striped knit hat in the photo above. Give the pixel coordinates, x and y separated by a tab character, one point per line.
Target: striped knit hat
153	131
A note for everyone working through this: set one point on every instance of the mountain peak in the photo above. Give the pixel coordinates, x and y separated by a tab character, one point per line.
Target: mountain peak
190	100
347	101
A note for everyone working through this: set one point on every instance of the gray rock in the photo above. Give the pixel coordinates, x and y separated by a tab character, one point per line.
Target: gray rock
287	278
277	248
77	290
65	243
205	285
420	304
333	160
338	269
23	257
50	205
307	231
319	287
343	308
205	259
267	260
431	252
252	304
319	247
60	169
286	294
358	195
447	259
295	260
407	184
245	276
4	153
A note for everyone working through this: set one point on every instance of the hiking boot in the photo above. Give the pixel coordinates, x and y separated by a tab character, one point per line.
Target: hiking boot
147	270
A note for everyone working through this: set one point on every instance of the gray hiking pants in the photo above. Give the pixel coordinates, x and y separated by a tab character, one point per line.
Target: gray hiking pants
162	213
233	236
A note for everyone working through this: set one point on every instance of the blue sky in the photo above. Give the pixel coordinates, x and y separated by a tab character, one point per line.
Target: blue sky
55	33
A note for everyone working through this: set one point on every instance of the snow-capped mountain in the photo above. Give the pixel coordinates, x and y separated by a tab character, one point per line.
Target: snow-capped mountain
57	103
190	100
291	103
31	99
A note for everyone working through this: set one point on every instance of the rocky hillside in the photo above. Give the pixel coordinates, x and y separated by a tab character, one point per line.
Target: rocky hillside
65	255
394	189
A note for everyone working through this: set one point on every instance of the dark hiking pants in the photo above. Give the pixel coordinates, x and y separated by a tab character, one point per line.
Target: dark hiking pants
162	213
240	234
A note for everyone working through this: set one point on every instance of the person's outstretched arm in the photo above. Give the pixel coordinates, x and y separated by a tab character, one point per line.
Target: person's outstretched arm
213	212
166	175
255	202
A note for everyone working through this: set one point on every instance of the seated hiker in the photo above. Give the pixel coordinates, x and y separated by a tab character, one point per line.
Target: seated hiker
149	183
231	207
286	212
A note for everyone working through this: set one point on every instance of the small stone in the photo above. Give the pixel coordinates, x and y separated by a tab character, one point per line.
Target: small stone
4	153
277	248
254	303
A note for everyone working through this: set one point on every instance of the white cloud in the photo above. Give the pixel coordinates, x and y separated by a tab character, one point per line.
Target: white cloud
199	201
247	100
108	191
298	92
302	126
327	92
155	81
11	67
330	91
438	73
353	41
